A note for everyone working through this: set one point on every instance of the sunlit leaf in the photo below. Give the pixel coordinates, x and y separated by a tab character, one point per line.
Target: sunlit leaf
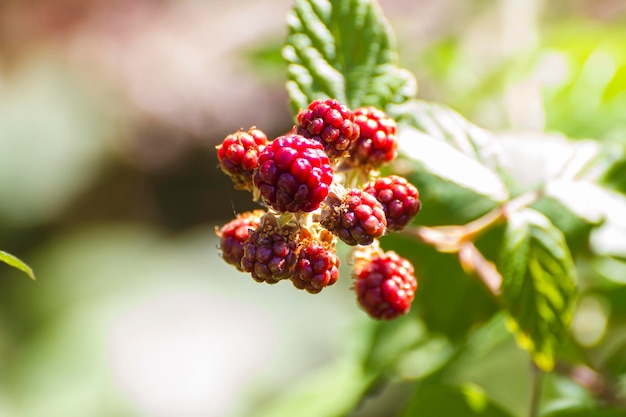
539	284
346	50
449	180
444	124
17	263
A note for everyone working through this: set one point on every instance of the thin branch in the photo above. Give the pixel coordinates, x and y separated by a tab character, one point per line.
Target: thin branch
596	383
473	262
535	392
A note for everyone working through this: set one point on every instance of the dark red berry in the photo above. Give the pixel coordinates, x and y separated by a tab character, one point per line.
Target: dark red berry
269	253
399	198
357	219
294	174
330	123
385	285
238	155
377	141
317	266
234	233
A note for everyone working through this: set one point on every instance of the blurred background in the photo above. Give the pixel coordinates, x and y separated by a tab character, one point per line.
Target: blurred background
109	188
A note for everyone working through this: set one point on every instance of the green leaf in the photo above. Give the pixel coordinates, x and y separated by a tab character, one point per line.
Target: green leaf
539	284
444	124
448	162
344	49
454	187
17	263
445	401
576	229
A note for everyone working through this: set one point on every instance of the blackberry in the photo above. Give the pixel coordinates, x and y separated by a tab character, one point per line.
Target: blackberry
399	198
269	253
357	219
377	141
294	174
331	124
385	285
318	264
233	235
238	156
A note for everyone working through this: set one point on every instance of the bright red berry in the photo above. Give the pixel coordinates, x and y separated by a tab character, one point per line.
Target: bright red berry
238	155
385	285
317	266
294	174
377	141
399	198
269	253
330	123
357	219
233	235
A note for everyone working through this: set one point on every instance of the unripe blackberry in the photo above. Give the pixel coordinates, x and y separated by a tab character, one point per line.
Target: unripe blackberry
293	174
233	235
238	156
269	253
385	285
399	198
318	264
357	219
377	141
330	123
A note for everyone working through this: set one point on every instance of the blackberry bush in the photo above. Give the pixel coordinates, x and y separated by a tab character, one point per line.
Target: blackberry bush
494	247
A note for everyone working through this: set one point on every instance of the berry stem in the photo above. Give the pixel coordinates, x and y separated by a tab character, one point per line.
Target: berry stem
451	239
535	392
473	262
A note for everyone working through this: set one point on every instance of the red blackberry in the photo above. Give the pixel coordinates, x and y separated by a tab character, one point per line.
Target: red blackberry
234	233
399	198
330	123
269	253
377	141
317	266
357	219
385	285
293	174
238	155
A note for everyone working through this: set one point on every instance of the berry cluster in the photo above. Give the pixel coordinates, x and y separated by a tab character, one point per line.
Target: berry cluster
320	183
